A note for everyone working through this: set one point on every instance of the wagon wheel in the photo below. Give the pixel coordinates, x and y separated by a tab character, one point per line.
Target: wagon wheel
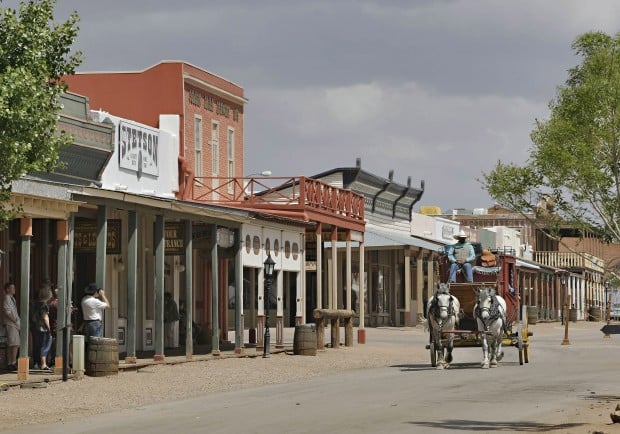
520	347
526	352
433	355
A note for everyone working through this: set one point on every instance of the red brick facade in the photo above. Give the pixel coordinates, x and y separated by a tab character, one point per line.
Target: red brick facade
175	88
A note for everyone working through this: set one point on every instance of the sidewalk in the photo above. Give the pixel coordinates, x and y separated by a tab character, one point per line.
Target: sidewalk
406	337
38	378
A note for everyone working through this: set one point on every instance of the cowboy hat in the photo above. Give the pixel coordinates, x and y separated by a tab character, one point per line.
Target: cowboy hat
461	234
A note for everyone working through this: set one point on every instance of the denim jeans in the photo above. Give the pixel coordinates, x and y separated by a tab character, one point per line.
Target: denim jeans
94	328
467	269
45	342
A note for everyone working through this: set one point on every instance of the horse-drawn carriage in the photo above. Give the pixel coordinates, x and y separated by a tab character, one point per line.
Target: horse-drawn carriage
484	313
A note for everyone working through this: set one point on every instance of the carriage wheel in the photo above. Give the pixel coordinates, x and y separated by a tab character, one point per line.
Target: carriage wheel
520	347
526	353
433	355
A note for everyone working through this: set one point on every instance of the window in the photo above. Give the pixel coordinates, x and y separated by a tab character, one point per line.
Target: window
198	145
215	148
231	158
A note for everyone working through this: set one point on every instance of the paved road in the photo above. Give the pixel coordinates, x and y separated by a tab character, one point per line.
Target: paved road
408	398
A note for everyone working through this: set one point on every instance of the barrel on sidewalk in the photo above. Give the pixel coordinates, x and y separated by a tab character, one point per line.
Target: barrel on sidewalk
304	340
102	357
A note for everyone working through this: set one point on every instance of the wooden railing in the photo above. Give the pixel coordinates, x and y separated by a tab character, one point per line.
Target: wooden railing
570	260
271	192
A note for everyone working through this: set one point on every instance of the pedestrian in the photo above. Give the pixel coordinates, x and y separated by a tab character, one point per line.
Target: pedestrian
53	313
94	303
12	324
171	316
42	329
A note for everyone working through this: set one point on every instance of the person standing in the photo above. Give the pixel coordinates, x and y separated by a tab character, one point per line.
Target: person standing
12	323
53	313
93	305
42	328
171	315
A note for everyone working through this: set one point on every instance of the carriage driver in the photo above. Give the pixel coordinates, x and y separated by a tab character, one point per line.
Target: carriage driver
461	256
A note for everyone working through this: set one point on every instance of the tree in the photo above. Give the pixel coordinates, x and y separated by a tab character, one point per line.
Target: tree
35	53
574	164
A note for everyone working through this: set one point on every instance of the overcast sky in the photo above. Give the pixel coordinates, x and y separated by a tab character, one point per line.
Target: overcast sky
436	90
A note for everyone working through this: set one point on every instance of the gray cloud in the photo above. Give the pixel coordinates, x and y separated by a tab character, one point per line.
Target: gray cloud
436	90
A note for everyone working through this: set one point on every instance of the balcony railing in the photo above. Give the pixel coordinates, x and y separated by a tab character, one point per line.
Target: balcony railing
291	193
570	260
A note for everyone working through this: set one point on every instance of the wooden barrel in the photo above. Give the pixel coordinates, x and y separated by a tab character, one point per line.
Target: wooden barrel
594	313
304	340
532	314
102	357
572	314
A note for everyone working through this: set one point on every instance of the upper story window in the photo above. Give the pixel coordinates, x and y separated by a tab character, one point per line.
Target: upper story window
231	156
198	145
215	148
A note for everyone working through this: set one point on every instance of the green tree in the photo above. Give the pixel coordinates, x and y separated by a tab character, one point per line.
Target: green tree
35	52
574	163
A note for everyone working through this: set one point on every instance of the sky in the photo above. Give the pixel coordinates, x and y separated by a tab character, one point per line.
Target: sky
435	90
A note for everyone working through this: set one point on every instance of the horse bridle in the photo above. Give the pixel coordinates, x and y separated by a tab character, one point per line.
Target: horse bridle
435	308
494	313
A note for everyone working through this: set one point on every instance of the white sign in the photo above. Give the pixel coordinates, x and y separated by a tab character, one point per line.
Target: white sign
138	148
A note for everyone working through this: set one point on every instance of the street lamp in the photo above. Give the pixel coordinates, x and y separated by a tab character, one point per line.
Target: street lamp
607	303
565	341
269	266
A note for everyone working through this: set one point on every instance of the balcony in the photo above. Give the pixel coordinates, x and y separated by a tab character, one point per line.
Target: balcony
294	197
570	260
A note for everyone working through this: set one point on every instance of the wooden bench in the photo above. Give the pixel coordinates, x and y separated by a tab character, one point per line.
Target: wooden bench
334	316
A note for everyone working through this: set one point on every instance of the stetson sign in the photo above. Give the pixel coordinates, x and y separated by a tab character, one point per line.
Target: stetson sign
85	236
138	148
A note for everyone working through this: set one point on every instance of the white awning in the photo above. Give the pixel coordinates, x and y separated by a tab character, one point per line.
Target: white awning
377	237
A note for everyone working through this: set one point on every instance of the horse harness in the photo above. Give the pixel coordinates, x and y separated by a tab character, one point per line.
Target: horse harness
494	314
435	309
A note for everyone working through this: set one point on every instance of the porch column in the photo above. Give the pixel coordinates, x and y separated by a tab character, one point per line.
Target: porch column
132	284
215	333
347	303
189	291
430	273
361	331
334	270
419	292
319	266
100	267
62	236
23	363
409	320
160	251
239	326
300	318
279	291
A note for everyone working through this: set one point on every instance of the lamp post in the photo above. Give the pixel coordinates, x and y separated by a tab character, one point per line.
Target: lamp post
565	341
269	266
607	310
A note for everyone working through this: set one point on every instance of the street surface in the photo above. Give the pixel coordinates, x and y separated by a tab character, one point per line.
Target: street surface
546	395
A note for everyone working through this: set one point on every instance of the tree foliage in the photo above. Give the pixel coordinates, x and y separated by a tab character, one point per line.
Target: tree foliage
574	162
35	52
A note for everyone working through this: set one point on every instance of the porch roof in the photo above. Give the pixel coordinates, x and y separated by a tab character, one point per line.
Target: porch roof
378	237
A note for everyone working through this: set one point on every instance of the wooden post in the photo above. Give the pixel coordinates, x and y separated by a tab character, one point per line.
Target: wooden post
320	334
335	341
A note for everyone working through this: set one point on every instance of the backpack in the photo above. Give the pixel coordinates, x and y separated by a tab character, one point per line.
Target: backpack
488	259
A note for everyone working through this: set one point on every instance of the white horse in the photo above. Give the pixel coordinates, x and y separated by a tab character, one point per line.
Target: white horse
490	314
442	313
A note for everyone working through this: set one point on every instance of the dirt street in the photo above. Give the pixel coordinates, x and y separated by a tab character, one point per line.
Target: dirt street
63	401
